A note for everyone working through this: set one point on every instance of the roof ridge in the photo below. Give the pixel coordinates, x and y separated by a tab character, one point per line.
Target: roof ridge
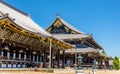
20	18
20	11
67	24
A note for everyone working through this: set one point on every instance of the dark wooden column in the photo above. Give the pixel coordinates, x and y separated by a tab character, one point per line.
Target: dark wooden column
58	58
0	53
63	59
44	58
30	52
0	48
52	58
89	60
71	59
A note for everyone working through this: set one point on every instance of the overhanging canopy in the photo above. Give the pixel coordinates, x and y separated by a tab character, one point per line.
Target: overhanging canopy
82	50
21	19
70	36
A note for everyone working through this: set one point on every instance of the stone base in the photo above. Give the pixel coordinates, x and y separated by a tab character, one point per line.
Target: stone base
79	72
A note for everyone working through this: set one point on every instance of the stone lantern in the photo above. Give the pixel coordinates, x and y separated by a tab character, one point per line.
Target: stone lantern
79	68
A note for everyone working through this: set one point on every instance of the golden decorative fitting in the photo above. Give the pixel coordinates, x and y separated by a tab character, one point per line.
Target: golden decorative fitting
83	52
57	23
49	29
73	32
58	42
49	39
23	31
66	29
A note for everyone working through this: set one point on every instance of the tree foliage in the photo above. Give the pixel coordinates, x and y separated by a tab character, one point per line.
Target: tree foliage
116	63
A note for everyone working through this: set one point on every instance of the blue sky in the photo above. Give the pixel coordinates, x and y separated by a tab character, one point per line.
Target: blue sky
101	18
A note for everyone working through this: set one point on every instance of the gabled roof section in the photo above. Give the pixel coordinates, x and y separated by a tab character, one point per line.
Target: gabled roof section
62	30
14	8
60	22
99	46
68	25
11	29
22	19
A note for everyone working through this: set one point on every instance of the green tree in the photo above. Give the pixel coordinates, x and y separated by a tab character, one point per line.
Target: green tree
119	63
116	63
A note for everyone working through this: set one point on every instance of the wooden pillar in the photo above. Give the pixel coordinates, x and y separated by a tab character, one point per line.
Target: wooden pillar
25	56
30	52
0	49
44	58
33	58
71	59
89	61
58	58
63	59
14	55
52	58
8	55
19	56
37	58
0	54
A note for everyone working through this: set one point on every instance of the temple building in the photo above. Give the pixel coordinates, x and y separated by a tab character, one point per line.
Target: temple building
84	43
23	43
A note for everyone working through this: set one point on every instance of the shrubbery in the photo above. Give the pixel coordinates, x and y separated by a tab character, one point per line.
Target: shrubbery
116	63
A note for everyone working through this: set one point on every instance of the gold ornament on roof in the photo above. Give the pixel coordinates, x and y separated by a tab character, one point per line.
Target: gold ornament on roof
57	24
73	32
49	29
66	29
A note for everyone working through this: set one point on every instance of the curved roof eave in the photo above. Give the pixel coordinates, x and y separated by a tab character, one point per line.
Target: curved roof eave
69	25
21	19
70	36
66	24
82	50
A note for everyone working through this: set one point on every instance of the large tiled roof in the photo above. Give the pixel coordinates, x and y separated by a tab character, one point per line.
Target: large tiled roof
69	25
21	19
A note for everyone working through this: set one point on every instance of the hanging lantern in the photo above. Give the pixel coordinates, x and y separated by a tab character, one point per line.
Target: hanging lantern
54	57
4	27
48	57
6	48
42	54
21	51
34	52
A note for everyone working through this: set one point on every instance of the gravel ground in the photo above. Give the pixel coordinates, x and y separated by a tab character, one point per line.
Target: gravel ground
62	71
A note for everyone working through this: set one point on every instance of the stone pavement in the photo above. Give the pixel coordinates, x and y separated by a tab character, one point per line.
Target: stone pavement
62	71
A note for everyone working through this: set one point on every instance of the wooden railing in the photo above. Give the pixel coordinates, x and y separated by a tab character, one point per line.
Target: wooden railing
5	58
